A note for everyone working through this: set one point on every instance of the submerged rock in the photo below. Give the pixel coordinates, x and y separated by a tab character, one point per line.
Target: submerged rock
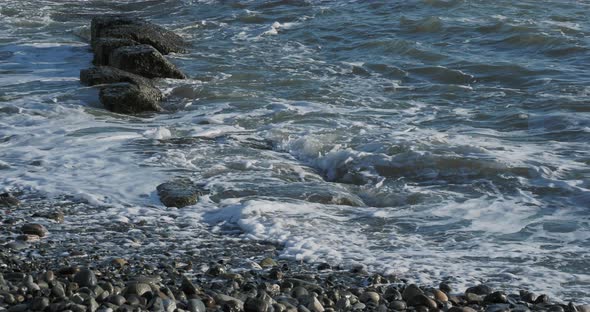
127	98
136	29
124	92
178	193
144	60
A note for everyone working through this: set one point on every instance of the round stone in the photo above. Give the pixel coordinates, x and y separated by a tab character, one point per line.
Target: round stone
85	278
369	296
255	305
422	300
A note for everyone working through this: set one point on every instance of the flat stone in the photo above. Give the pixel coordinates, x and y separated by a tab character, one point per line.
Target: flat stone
34	229
144	60
178	193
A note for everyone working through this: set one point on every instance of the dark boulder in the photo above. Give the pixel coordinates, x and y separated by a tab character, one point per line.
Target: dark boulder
136	29
106	74
123	92
178	193
103	47
129	98
144	60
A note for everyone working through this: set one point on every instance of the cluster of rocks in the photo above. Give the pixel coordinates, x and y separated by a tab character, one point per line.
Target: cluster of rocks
268	286
146	265
128	53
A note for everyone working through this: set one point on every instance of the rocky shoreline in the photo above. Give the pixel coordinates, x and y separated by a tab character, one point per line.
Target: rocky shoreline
65	255
50	262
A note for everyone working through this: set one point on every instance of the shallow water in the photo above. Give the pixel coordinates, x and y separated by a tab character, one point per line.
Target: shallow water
432	139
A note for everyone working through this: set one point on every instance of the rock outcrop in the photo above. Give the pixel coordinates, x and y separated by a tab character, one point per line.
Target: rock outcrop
128	51
144	60
136	29
121	91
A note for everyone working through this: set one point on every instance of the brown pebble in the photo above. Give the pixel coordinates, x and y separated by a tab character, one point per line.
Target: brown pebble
439	295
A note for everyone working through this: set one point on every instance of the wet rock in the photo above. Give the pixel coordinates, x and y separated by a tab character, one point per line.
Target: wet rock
267	263
392	294
446	288
144	60
479	290
188	287
369	296
34	229
315	305
541	299
117	300
103	47
8	200
410	291
422	300
85	278
527	296
178	193
255	305
39	304
123	92
499	307
136	29
583	308
106	74
196	305
398	305
461	309
496	297
137	289
299	291
127	98
440	295
56	216
343	304
556	308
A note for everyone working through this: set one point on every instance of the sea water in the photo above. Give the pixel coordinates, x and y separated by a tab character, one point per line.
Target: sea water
435	140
